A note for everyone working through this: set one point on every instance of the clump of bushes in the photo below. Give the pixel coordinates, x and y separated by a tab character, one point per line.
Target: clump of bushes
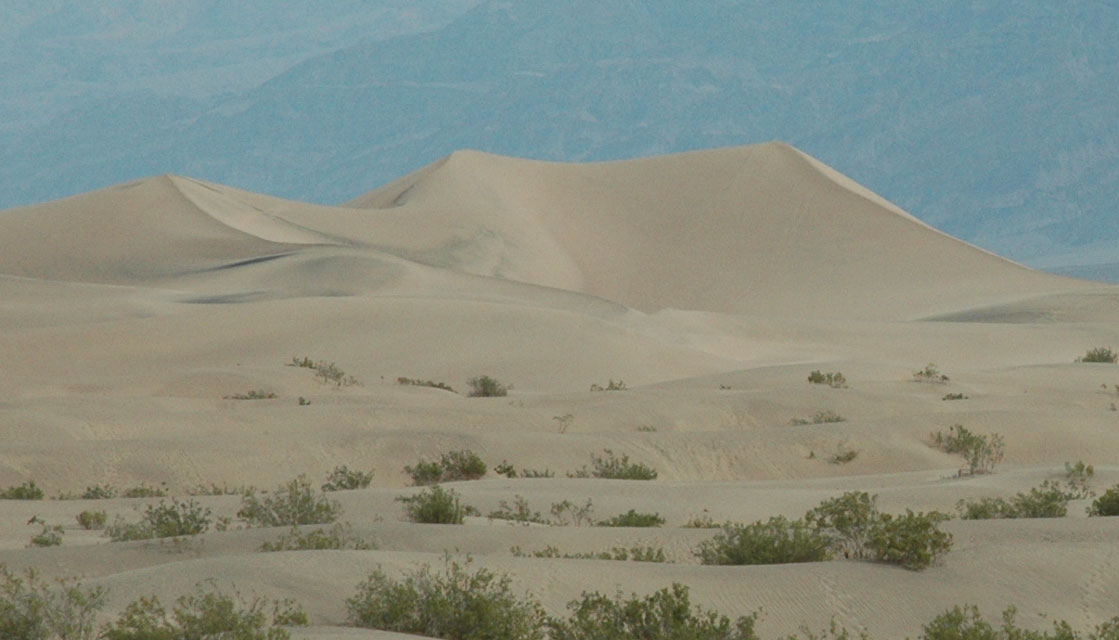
930	374
30	608
340	536
1100	354
954	396
254	394
292	504
436	505
776	541
486	387
50	536
145	491
26	491
634	554
982	452
833	379
666	614
454	602
205	615
1046	501
452	466
99	492
92	519
632	518
509	471
966	622
163	521
518	512
415	382
341	478
610	386
612	467
567	512
820	417
1107	504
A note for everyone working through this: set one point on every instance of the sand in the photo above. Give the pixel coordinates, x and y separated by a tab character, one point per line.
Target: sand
712	283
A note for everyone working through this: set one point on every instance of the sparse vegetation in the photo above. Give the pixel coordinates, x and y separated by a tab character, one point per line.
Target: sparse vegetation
565	421
610	386
50	536
954	396
509	471
292	504
164	520
327	371
436	505
455	603
611	467
1100	354
702	521
1107	504
452	466
26	491
342	478
1045	501
215	489
981	452
663	615
567	512
519	512
634	554
930	374
339	536
255	394
99	492
632	518
415	382
486	387
776	541
820	417
965	623
145	491
31	609
843	454
205	615
90	520
833	379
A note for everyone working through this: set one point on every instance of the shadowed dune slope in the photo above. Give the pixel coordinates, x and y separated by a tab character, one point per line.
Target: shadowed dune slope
760	230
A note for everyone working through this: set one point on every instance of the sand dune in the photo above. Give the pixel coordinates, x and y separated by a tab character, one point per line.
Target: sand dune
711	283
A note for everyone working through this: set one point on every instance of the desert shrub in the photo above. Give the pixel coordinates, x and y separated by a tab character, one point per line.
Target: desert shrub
452	466
486	387
930	374
254	394
1107	504
777	541
820	417
981	452
436	505
215	489
50	536
965	623
635	554
1100	354
92	519
632	518
31	609
145	491
341	478
415	382
204	615
537	473
163	521
843	454
1077	476
26	491
846	522
834	379
610	386
567	512
509	471
954	396
913	540
1045	501
340	536
702	521
518	512
662	615
292	504
612	467
455	602
99	492
565	421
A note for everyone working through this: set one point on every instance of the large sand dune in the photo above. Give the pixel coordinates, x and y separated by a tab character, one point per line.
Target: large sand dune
712	283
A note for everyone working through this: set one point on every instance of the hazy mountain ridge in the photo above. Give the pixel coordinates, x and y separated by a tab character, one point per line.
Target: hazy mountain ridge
996	123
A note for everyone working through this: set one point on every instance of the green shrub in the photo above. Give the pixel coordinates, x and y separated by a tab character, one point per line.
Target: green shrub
846	523
610	386
662	615
145	491
820	417
702	521
255	394
518	512
1078	476
436	505
99	492
214	489
424	383
843	454
163	521
26	491
340	536
31	609
341	478
537	473
50	536
965	623
981	452
452	603
930	374
567	512
486	387
777	541
1100	354
612	467
632	518
292	504
1045	501
635	554
203	616
913	540
452	466
954	396
835	379
1107	504
92	519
